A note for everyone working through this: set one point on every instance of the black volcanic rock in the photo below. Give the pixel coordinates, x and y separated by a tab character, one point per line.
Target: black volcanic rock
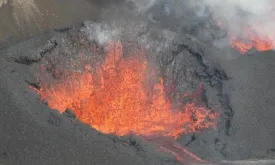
69	113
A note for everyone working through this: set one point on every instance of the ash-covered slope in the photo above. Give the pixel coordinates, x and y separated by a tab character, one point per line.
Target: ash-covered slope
251	92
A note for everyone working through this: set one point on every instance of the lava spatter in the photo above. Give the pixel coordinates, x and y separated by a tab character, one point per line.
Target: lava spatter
115	98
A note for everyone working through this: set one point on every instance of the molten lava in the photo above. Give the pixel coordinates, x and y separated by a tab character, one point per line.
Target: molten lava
116	98
257	36
252	40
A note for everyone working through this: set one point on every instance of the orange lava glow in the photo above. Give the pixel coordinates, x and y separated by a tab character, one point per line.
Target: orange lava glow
258	36
116	98
252	40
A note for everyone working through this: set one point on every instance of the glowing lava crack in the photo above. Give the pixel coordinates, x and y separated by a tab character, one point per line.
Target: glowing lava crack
256	36
115	99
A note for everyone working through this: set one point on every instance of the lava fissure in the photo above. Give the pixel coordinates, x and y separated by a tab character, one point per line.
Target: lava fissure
118	98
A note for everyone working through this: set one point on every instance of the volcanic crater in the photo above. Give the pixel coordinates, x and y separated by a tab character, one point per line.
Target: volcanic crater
134	91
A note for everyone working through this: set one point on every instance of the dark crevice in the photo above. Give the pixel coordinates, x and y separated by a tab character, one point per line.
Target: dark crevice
33	84
25	60
132	142
204	98
210	72
193	138
69	113
51	47
216	140
228	111
226	103
62	30
228	126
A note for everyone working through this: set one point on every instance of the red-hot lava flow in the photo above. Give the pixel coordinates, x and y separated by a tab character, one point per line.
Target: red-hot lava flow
257	36
115	99
250	39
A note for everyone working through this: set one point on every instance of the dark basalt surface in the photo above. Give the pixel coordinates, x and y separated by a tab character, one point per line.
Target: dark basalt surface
241	88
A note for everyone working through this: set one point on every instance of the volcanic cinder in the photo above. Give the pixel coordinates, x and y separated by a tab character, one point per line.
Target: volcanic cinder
59	91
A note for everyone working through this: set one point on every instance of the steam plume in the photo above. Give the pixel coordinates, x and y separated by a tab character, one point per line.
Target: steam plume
236	16
240	13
